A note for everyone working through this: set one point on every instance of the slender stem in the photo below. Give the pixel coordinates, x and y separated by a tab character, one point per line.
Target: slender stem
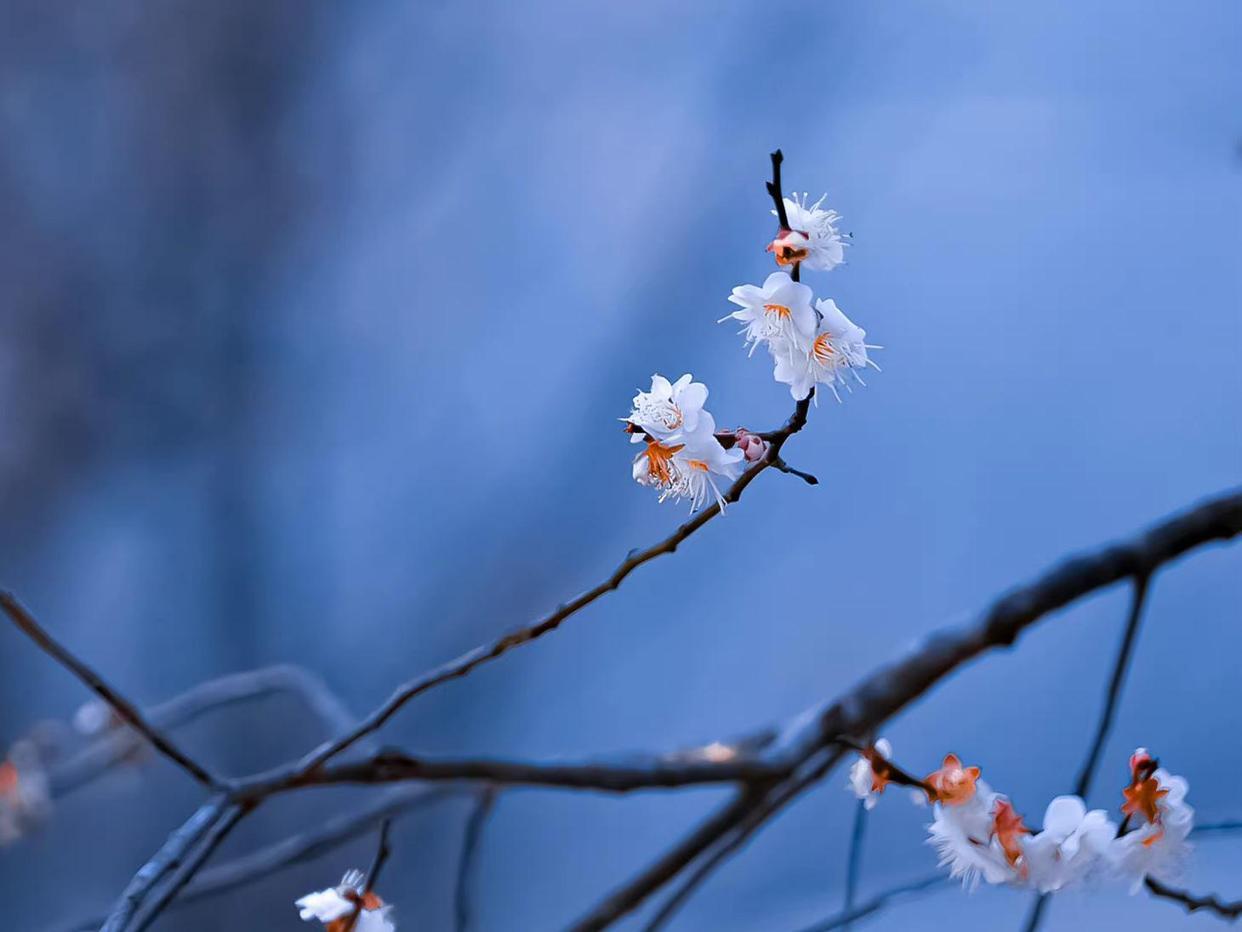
853	866
1193	902
778	197
382	851
842	920
467	866
96	683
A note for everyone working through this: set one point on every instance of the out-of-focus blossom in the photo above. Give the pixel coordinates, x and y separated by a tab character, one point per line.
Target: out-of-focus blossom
1160	822
334	907
812	239
837	349
1008	829
25	794
952	784
1071	846
964	835
778	313
868	780
670	410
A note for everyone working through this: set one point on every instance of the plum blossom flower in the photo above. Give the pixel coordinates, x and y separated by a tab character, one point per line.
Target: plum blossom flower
25	793
669	410
1158	847
693	468
778	313
965	836
812	239
838	348
334	907
1070	847
866	779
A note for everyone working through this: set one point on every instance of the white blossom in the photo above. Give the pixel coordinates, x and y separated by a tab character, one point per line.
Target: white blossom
1071	846
837	349
339	902
963	836
694	467
1157	848
812	238
670	409
778	313
863	777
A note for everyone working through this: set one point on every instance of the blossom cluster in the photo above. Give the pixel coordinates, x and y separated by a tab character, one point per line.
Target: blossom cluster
981	837
811	341
335	907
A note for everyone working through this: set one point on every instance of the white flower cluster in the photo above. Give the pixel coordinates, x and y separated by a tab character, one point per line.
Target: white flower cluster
980	837
334	906
811	342
681	457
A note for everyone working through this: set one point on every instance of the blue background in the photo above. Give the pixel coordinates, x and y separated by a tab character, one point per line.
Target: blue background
316	319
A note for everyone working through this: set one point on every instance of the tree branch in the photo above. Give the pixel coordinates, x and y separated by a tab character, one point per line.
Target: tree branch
1194	902
93	681
469	848
878	902
382	851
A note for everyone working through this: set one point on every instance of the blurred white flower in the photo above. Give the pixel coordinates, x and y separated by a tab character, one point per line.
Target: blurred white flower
812	239
779	313
1071	845
866	783
837	349
1158	846
965	836
25	793
334	906
670	409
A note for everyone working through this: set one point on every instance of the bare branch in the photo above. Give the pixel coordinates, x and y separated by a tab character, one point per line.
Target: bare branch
469	848
1194	902
100	756
92	680
382	851
164	862
882	900
774	189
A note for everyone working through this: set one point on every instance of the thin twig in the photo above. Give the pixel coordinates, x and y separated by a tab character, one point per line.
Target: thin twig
853	865
775	190
93	681
99	757
469	849
382	851
1193	902
878	902
786	468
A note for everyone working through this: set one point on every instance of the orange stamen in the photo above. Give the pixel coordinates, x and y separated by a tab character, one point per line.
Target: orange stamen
779	310
659	461
822	349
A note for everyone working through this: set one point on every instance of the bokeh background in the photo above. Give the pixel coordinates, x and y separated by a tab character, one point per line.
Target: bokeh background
316	320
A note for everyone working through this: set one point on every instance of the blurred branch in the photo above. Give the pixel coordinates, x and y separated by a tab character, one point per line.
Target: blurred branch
93	681
1193	902
1087	774
118	745
382	851
843	919
469	849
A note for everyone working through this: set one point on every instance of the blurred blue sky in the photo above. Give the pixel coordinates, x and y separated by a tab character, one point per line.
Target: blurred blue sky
317	320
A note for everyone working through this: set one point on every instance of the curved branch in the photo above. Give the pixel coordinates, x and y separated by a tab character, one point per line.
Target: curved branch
93	681
1194	902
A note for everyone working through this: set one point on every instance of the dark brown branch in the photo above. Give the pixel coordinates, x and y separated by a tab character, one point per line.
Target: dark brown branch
469	850
468	661
775	190
738	837
92	680
786	468
1194	902
100	756
382	851
166	860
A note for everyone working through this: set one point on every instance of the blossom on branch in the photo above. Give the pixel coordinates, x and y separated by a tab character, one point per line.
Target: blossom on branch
837	349
1159	823
335	906
778	313
964	834
869	775
25	793
670	409
1071	845
813	239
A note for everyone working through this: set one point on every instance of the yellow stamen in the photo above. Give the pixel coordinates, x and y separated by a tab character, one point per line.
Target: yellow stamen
822	349
778	309
659	460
